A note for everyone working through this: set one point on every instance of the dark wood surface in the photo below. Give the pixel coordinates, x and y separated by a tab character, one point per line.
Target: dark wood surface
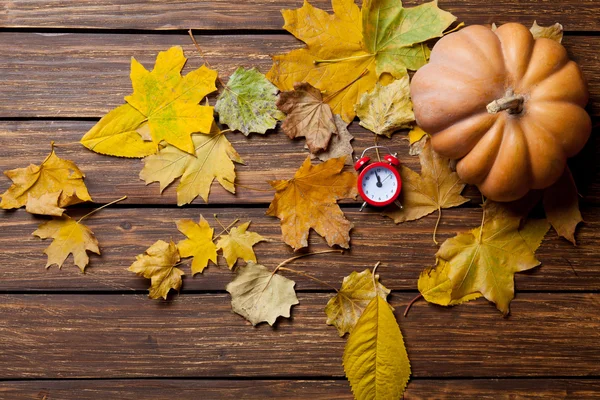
68	335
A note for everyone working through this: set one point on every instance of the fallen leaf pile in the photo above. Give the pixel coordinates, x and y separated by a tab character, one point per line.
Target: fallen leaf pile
347	52
160	260
355	63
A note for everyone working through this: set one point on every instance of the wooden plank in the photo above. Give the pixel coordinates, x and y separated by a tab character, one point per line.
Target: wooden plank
160	389
575	15
129	336
269	157
86	75
404	250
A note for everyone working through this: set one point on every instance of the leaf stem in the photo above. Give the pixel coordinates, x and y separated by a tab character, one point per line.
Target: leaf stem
225	229
413	301
204	58
248	187
373	275
437	223
308	276
457	27
335	60
332	95
100	208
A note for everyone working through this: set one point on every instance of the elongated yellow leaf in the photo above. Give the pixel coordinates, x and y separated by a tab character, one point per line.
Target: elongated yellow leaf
375	358
115	134
345	308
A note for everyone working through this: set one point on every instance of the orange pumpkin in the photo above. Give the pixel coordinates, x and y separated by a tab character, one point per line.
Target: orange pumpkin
509	107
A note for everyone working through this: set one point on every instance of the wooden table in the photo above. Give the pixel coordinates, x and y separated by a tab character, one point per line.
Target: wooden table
67	335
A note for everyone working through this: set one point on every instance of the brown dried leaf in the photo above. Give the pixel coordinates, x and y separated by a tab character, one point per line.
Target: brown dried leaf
308	116
561	203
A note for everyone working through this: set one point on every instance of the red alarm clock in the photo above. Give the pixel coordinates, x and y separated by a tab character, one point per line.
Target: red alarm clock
379	183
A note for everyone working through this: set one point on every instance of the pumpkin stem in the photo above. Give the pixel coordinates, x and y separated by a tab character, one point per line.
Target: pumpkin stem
511	102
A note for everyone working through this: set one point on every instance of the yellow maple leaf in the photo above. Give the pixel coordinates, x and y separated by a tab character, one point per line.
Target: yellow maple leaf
158	265
437	187
42	182
70	237
238	244
347	52
199	243
386	109
486	259
308	200
163	102
375	358
345	308
213	159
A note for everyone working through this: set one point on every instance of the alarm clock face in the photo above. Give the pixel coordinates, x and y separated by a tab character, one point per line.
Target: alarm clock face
379	184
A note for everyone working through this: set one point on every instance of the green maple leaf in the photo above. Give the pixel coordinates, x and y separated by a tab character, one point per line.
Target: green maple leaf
248	102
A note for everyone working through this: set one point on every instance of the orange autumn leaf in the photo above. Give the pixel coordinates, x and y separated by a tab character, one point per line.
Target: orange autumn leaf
309	200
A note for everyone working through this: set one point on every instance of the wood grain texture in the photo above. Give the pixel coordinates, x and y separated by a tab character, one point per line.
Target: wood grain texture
269	157
86	75
418	389
260	14
405	250
128	336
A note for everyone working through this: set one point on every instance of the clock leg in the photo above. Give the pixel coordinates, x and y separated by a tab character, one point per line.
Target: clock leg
363	206
397	202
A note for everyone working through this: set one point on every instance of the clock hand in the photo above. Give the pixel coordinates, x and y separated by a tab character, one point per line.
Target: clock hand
386	178
379	184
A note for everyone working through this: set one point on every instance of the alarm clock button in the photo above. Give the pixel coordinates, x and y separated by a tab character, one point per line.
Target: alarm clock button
392	160
361	163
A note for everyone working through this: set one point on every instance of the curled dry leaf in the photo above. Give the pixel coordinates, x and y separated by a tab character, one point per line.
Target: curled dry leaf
345	308
554	32
339	145
486	259
261	296
199	243
248	102
238	244
561	203
158	265
45	188
46	204
309	200
213	159
70	237
348	51
436	287
375	358
307	116
386	109
162	100
436	188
